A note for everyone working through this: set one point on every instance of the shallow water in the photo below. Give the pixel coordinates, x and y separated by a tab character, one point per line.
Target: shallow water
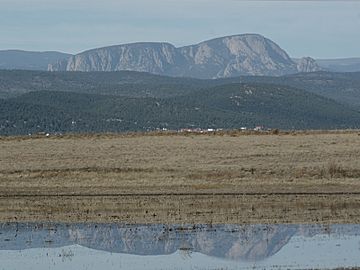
120	246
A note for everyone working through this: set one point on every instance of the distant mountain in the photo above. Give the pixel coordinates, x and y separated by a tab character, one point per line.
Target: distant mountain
248	54
16	59
340	65
230	56
307	64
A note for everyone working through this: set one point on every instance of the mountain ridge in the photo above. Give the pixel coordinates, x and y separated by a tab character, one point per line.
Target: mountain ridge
229	56
29	60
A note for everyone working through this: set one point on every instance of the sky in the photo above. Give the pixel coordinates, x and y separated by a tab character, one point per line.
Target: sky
320	29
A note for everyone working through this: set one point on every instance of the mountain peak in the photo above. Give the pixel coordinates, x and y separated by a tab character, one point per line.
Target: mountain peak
244	54
241	36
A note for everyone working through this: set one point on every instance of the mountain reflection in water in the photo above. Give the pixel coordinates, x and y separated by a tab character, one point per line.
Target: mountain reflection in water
233	242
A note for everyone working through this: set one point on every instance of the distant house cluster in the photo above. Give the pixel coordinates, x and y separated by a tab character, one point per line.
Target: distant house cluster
199	130
182	130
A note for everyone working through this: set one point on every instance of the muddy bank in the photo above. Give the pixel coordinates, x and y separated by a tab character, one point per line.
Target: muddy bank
185	209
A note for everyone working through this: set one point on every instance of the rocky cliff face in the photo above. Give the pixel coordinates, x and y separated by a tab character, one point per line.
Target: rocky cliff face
248	54
147	57
236	55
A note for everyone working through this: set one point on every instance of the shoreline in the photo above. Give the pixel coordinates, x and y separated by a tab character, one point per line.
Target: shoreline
185	209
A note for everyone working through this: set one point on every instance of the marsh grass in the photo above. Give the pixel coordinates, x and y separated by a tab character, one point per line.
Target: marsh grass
331	169
166	161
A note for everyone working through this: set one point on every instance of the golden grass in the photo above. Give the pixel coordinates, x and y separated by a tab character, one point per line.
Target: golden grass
216	164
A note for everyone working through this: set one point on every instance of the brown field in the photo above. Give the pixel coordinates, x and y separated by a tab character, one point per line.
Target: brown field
301	177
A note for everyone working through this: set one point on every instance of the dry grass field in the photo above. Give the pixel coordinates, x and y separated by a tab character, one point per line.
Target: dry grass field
218	178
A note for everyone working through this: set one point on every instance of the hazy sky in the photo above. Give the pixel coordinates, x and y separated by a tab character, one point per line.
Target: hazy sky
320	29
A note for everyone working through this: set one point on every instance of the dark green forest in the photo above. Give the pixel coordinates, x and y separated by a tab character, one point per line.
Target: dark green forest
61	102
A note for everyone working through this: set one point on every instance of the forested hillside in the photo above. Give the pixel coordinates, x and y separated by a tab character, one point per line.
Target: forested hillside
227	106
341	87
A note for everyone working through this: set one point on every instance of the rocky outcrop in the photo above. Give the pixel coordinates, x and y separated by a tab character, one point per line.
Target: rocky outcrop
308	64
248	54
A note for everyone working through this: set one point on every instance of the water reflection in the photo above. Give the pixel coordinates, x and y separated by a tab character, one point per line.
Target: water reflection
248	244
